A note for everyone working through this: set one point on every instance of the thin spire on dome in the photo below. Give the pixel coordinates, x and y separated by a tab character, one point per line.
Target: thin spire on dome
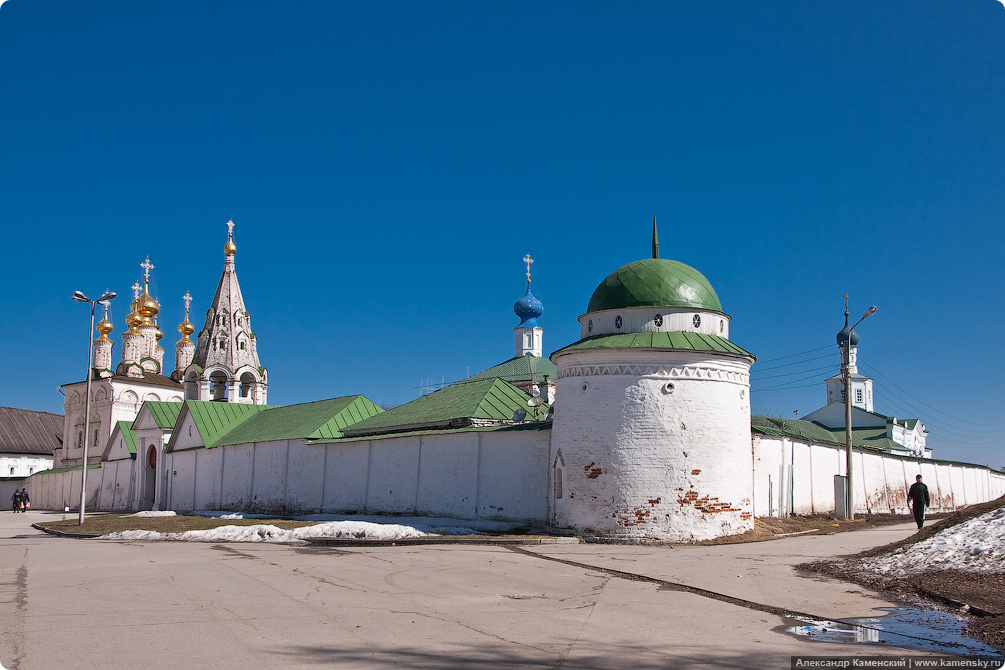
185	327
230	248
656	241
528	260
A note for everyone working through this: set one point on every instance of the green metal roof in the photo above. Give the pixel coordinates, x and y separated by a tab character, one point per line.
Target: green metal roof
312	421
520	368
126	428
165	414
453	406
215	419
660	340
654	282
873	437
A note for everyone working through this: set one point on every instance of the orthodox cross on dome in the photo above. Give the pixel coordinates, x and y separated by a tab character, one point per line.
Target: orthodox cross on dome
230	228
846	303
528	260
147	266
136	290
188	300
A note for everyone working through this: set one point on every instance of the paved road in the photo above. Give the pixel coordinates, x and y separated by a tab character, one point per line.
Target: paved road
71	604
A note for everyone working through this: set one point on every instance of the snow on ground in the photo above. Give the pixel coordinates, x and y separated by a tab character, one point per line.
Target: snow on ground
976	545
151	513
369	527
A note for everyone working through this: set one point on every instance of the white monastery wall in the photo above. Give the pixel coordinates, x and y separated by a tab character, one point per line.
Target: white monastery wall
662	439
498	475
798	477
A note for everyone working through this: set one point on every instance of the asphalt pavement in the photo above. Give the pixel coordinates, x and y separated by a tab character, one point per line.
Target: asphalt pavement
72	603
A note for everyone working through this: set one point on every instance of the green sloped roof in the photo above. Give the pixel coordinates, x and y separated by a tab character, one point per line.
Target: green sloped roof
165	414
654	282
215	419
126	428
313	420
871	437
488	399
520	368
660	340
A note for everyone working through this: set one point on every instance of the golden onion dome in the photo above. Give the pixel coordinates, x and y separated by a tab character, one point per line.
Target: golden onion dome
134	320
104	326
146	306
186	328
230	248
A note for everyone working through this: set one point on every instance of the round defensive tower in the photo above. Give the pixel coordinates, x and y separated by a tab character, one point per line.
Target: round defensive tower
651	434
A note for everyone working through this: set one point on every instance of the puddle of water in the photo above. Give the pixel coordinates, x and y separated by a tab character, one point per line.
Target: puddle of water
908	627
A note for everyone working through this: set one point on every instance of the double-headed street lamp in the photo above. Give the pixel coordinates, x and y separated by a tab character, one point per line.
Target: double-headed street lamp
850	512
103	301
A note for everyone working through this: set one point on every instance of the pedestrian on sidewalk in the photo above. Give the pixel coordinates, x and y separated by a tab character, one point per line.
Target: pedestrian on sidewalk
25	500
918	500
16	502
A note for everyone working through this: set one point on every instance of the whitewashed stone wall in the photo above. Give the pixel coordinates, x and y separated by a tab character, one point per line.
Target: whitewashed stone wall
22	465
652	445
797	477
475	474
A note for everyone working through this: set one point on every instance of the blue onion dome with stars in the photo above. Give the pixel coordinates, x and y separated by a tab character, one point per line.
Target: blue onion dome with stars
528	308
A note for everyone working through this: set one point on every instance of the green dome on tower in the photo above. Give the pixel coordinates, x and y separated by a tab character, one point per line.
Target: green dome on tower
654	282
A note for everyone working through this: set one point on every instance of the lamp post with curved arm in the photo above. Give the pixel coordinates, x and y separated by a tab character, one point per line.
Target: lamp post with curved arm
847	411
103	300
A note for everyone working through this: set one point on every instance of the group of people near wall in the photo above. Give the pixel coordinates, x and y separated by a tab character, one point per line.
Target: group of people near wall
20	501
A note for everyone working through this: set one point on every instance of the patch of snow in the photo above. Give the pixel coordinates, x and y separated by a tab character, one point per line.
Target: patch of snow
268	533
152	513
976	545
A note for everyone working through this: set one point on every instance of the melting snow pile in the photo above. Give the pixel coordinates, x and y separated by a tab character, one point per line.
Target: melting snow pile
359	528
977	545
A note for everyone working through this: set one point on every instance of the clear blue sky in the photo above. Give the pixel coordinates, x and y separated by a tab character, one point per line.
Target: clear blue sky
388	165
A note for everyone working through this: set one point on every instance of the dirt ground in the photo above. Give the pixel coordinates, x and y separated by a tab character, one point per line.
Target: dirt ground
981	596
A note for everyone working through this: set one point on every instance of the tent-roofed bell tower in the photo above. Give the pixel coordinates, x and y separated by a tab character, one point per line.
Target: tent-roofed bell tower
225	366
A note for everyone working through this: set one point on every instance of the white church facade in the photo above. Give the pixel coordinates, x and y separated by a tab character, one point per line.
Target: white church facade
640	431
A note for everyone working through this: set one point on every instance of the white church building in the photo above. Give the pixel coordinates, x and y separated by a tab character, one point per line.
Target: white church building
640	431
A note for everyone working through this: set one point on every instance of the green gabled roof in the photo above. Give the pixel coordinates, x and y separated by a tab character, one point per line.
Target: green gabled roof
323	419
660	340
654	282
520	368
454	406
165	414
126	428
215	419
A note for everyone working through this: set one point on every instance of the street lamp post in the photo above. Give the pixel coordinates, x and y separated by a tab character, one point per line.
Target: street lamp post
103	300
850	512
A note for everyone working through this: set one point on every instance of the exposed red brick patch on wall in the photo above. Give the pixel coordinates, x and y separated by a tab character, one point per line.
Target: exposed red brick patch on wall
696	472
706	504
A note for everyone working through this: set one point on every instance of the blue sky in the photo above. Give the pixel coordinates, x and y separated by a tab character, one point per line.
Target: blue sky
388	165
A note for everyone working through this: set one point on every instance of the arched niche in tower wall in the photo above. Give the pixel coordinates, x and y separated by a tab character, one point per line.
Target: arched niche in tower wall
130	397
248	385
218	385
192	385
99	395
151	396
74	398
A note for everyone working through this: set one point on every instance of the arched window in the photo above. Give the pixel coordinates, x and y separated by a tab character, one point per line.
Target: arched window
218	380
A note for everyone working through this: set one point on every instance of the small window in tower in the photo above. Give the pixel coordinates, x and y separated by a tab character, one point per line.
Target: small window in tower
589	326
12	470
618	322
696	320
242	346
80	439
31	471
239	321
214	345
658	320
722	325
858	395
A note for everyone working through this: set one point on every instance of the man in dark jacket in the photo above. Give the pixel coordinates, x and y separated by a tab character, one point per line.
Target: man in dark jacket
918	500
15	501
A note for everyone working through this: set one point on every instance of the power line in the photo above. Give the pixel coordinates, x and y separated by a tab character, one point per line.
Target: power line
781	358
934	409
788	365
798	372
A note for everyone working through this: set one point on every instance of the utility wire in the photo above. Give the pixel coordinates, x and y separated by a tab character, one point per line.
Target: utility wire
781	358
934	409
797	372
788	365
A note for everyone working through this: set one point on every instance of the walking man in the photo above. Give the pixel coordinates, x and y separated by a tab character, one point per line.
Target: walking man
918	500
